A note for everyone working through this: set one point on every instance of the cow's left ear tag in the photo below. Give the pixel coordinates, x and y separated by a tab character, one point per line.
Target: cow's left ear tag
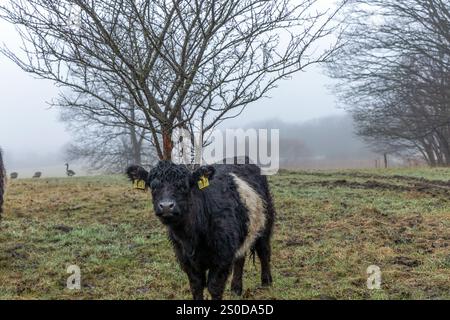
203	182
139	184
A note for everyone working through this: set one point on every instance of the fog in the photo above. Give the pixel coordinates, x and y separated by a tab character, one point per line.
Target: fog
324	143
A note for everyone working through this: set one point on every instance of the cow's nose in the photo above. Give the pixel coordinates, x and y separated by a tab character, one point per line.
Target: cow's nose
166	206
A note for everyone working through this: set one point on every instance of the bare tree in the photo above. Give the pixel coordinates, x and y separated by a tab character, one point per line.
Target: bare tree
394	75
180	61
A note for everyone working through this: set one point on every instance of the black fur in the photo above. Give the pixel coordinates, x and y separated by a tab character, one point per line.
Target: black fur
2	182
137	173
208	226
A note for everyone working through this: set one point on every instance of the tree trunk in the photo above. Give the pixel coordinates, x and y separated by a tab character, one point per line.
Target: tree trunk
136	146
444	147
135	141
167	144
431	159
137	152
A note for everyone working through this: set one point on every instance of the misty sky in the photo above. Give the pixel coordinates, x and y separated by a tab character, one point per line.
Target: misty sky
30	129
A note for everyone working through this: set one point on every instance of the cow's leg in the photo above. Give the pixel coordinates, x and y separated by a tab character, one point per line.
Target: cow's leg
238	270
217	278
196	275
263	250
197	282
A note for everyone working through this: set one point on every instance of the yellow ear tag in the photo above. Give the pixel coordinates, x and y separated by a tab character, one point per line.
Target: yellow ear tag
203	182
139	184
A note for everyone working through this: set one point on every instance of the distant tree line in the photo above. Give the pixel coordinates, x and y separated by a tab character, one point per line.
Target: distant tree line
393	75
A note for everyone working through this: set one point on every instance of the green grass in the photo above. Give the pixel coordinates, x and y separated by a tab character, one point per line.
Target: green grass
330	227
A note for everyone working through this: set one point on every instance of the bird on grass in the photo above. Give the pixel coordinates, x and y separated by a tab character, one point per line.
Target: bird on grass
70	173
37	175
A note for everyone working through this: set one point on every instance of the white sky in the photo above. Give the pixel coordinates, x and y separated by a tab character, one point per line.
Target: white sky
30	130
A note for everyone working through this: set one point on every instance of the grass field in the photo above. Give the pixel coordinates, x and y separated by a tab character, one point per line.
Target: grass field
330	227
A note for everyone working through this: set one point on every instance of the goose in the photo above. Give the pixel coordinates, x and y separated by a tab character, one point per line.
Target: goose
37	174
70	173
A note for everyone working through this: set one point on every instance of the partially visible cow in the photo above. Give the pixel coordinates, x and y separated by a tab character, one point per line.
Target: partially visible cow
2	182
212	227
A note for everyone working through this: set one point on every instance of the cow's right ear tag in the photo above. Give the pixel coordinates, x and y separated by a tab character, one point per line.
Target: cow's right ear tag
203	182
139	184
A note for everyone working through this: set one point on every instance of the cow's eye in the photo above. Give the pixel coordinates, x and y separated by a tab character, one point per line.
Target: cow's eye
155	184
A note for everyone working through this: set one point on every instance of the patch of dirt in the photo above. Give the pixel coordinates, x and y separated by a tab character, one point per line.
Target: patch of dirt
439	183
406	261
63	228
434	190
14	252
296	242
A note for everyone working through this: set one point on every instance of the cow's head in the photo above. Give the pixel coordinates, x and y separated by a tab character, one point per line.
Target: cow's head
171	186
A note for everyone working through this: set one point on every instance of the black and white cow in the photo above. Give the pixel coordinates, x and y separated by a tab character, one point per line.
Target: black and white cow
213	228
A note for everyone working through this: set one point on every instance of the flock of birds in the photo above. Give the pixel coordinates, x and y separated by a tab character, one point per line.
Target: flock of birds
38	174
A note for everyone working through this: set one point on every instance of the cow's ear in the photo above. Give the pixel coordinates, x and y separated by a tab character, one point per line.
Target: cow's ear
138	175
202	176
